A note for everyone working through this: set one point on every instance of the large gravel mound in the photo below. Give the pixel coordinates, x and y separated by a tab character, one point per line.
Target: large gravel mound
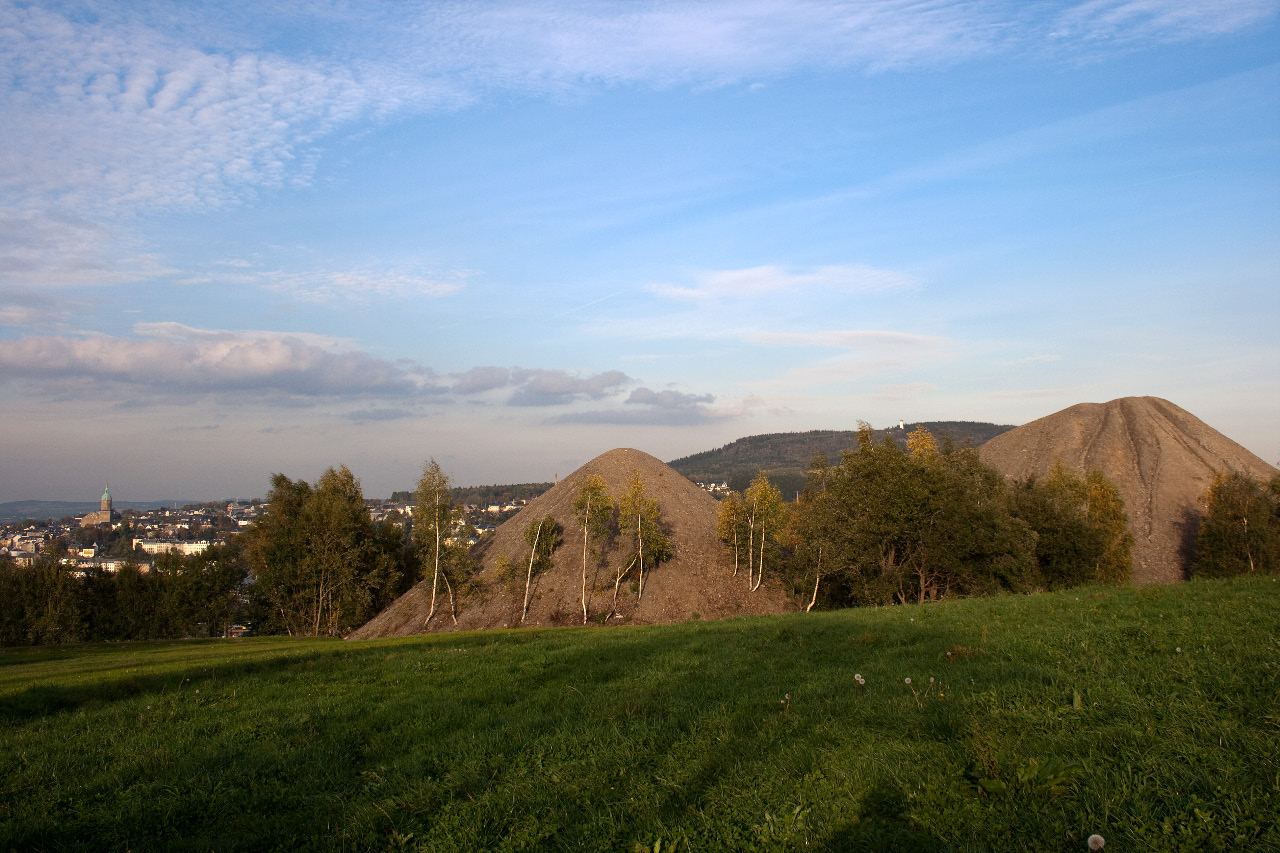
697	582
1160	457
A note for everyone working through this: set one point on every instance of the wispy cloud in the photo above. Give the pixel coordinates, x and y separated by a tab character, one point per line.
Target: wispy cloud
753	282
1159	20
852	339
48	248
325	286
861	354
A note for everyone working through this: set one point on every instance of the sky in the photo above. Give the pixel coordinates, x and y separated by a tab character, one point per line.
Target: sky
246	238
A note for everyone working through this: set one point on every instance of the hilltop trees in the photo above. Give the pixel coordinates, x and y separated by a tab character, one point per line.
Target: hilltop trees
593	511
731	526
542	536
765	515
433	523
1240	532
639	520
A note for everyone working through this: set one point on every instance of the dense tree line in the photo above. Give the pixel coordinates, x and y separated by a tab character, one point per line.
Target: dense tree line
893	524
201	595
1240	531
320	565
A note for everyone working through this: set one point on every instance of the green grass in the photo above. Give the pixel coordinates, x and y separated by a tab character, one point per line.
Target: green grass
1053	717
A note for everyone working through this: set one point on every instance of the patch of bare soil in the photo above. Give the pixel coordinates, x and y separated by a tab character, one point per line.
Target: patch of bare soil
1160	457
697	582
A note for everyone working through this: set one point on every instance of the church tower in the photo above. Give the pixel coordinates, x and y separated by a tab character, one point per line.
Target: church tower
105	505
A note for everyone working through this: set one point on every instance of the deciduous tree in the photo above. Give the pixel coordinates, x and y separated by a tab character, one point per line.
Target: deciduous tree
766	514
593	511
640	521
1240	532
433	522
542	536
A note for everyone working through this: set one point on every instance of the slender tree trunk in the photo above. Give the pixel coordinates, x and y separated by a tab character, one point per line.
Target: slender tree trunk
435	576
759	565
315	626
735	547
528	578
617	582
640	541
585	524
817	580
751	547
453	608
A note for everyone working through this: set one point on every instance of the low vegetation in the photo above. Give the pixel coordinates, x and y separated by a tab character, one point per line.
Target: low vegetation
1148	716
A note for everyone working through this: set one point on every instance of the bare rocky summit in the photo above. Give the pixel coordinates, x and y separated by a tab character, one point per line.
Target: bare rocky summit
1160	457
696	582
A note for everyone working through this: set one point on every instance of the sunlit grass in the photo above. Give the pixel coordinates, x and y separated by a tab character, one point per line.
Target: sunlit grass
1149	716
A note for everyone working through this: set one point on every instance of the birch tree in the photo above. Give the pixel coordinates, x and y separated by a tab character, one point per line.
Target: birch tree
542	535
639	520
766	517
433	518
593	512
730	526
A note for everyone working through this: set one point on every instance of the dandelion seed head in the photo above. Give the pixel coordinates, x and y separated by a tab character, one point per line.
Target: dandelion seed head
1097	842
908	681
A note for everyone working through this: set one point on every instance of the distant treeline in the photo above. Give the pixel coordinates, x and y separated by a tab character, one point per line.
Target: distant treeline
786	457
485	495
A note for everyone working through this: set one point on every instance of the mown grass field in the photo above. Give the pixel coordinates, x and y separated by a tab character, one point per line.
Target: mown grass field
1150	716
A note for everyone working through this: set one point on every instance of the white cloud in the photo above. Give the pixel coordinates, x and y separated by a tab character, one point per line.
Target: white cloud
168	358
538	387
646	407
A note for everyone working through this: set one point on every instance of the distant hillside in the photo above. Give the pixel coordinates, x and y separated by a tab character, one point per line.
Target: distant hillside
43	510
785	456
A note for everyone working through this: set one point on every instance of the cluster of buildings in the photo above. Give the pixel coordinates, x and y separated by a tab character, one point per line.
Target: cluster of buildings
187	530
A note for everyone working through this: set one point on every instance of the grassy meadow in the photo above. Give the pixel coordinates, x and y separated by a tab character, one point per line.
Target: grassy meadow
1150	716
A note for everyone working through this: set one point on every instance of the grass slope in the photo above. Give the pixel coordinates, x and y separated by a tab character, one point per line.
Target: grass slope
1147	715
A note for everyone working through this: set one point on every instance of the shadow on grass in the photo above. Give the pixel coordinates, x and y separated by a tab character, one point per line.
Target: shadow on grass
46	700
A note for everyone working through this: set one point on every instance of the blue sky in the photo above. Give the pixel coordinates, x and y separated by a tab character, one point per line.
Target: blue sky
245	238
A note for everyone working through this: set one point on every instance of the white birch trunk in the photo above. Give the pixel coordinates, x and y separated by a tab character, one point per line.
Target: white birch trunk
817	580
585	526
640	541
759	565
528	578
435	577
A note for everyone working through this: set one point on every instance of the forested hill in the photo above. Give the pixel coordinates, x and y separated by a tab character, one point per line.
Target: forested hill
785	456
